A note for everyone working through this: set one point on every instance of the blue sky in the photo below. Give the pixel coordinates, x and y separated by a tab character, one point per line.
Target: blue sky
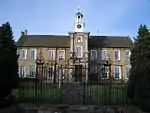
109	17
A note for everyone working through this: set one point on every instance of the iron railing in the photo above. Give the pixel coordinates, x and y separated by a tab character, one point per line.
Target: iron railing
67	83
44	89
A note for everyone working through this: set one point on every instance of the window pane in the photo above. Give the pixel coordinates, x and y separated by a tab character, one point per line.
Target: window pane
127	55
49	75
61	54
52	54
117	57
32	71
105	76
127	71
104	54
105	71
117	72
23	53
79	39
51	72
22	71
32	54
78	51
93	54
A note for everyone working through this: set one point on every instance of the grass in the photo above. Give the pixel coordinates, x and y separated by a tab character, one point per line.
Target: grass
51	93
103	94
32	93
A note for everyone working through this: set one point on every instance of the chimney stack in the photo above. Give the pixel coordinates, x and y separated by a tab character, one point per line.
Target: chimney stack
25	31
22	33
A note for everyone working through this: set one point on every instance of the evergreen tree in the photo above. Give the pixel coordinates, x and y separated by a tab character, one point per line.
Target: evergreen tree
8	61
139	80
142	32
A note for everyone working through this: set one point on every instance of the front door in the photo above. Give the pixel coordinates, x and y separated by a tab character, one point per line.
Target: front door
78	73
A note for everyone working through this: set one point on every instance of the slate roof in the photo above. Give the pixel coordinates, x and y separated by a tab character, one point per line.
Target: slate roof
63	41
110	41
43	41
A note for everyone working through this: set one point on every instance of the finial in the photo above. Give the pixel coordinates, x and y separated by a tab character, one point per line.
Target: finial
79	13
78	8
40	58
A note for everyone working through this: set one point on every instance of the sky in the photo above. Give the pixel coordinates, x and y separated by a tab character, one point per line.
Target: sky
56	17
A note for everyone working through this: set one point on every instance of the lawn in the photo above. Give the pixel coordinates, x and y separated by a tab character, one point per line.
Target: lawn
51	93
103	94
38	93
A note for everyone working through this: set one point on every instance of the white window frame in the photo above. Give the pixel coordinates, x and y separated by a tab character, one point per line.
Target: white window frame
107	73
53	52
118	55
35	54
106	57
22	55
125	74
61	72
126	54
81	51
92	58
50	75
24	69
32	76
80	38
119	72
63	58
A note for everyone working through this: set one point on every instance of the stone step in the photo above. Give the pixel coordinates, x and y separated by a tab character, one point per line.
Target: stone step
72	93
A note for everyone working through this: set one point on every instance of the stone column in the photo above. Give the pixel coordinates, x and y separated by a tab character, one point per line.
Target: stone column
71	44
86	56
70	72
86	76
86	44
71	36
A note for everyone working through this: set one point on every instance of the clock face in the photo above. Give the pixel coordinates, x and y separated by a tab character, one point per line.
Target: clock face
79	26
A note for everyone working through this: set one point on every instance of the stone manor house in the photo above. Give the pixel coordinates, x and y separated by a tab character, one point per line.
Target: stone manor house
90	49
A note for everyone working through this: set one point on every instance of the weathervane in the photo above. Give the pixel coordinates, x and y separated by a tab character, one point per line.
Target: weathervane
79	12
78	8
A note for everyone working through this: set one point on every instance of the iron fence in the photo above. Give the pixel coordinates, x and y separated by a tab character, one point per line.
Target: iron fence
44	89
76	82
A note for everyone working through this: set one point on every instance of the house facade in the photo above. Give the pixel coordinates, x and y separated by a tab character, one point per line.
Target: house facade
90	50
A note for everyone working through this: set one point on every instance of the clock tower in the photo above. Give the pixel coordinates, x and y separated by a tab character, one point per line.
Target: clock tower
79	22
79	49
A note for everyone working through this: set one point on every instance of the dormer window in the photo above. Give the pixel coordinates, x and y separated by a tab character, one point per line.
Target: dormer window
79	39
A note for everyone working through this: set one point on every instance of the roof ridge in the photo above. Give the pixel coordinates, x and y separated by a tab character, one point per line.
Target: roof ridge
110	35
68	35
44	35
